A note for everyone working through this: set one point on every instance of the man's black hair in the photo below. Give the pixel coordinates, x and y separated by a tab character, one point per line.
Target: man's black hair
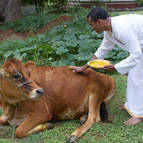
98	13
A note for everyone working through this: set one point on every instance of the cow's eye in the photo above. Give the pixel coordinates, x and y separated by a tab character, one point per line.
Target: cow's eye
17	76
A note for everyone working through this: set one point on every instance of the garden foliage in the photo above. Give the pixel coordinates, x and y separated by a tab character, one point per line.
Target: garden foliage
30	23
72	43
43	3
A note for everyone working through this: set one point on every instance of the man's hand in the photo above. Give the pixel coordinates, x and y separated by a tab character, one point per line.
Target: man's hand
78	69
82	68
108	68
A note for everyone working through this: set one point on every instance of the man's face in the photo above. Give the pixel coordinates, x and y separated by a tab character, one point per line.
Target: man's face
97	26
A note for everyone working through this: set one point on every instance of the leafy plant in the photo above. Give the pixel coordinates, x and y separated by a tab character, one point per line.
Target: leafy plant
117	54
70	43
30	23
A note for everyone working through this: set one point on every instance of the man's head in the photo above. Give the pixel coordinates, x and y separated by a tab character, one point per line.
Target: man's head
97	19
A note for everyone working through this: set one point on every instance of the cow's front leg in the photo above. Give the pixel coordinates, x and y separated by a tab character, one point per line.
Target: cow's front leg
3	120
7	113
93	116
32	125
41	127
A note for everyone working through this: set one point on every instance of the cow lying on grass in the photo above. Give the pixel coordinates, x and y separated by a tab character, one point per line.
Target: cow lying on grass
46	93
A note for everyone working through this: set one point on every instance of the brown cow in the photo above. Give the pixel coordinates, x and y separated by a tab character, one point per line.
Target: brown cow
66	95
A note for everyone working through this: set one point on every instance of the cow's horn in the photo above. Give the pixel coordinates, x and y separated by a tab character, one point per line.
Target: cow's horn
22	58
6	59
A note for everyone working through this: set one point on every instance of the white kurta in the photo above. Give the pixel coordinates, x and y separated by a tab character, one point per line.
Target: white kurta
127	33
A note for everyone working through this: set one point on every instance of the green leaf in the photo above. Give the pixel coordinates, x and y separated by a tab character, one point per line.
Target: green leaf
45	47
122	55
70	57
71	43
8	53
69	37
18	56
24	54
59	63
117	49
83	56
61	50
84	43
110	54
84	37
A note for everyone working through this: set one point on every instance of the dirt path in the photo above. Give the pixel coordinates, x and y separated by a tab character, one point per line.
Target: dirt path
10	33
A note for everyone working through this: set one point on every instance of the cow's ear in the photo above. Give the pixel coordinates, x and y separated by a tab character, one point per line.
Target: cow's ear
29	65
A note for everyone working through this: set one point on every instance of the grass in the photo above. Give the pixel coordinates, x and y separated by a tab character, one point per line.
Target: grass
115	132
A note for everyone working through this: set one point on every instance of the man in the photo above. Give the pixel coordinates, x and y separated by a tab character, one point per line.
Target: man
125	31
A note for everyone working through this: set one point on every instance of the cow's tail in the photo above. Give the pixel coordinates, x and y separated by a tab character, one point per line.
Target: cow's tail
103	112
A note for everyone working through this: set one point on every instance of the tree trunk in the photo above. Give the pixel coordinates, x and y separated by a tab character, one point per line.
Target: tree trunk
12	10
2	9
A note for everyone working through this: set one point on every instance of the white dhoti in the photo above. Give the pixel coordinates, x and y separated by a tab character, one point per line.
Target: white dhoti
134	95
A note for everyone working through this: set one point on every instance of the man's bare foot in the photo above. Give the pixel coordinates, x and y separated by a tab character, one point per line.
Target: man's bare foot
133	121
122	108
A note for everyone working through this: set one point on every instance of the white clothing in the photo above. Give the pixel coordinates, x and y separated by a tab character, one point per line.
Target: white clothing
127	33
134	95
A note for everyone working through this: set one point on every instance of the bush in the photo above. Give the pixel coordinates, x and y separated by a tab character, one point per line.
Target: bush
71	43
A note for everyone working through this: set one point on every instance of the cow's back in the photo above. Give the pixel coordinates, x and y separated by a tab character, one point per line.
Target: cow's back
66	92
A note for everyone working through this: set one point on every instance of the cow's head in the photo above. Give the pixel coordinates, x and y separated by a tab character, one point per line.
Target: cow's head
16	84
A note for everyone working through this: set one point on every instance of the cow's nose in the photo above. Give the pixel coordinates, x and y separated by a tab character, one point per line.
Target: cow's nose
40	91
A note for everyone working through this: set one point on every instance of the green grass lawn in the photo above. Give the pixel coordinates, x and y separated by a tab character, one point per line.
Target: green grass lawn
115	132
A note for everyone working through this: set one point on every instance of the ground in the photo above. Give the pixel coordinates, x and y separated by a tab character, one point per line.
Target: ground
10	33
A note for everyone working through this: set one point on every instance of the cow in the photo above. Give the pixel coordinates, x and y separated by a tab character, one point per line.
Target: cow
32	96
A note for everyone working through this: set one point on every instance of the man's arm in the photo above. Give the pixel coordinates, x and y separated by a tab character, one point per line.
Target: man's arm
81	68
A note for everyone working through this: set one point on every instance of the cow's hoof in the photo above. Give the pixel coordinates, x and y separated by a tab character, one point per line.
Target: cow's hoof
83	120
50	126
72	139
